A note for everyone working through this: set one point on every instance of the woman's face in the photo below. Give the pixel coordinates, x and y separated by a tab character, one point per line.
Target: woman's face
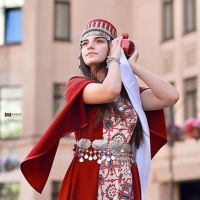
94	51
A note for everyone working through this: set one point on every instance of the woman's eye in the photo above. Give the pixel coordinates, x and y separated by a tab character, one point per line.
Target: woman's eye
84	43
99	41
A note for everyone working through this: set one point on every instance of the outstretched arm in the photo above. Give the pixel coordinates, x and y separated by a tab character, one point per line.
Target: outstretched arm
161	93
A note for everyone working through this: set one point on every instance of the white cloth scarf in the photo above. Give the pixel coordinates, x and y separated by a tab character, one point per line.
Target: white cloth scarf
142	154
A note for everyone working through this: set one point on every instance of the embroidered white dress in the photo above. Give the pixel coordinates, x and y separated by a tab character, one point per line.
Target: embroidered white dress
115	177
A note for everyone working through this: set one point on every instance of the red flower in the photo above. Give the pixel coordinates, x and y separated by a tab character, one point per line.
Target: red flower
192	127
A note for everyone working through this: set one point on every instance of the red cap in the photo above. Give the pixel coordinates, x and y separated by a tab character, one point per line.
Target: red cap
98	27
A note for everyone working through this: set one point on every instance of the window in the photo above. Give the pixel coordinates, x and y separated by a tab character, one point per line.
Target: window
9	191
13	26
11	21
190	190
59	90
168	21
2	27
189	15
55	189
62	20
190	86
10	112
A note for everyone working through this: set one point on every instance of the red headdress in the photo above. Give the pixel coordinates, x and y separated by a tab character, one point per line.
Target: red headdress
99	27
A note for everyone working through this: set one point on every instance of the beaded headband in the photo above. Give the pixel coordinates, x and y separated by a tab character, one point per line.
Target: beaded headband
101	28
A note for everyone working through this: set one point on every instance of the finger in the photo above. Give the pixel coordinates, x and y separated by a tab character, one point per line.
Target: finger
119	41
135	45
116	40
113	43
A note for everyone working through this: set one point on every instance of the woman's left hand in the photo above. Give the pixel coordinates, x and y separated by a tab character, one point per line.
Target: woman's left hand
134	56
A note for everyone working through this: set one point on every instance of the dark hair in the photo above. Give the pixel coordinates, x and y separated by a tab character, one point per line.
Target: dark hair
106	108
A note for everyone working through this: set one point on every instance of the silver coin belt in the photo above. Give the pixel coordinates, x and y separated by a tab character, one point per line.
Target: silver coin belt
102	150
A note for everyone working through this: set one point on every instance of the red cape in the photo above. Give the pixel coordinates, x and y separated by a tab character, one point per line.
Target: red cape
37	165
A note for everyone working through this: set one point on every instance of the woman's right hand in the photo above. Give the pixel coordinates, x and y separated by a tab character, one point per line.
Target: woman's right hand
115	47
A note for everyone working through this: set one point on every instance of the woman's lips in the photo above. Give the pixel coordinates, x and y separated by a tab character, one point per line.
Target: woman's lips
91	53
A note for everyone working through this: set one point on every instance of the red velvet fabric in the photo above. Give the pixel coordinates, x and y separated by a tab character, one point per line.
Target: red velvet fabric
81	179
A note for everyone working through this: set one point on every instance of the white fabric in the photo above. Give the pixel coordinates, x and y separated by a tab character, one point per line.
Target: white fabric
143	154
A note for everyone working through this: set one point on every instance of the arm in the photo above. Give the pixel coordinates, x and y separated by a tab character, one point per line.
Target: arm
96	93
161	93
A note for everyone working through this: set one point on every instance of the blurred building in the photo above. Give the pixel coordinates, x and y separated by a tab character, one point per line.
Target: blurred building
39	49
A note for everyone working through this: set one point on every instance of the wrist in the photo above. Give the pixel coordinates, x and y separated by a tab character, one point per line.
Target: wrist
134	66
112	59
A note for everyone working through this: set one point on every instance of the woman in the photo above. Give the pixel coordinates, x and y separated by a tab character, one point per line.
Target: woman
105	109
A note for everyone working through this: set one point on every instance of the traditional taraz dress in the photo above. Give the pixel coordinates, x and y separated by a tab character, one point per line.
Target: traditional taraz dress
116	176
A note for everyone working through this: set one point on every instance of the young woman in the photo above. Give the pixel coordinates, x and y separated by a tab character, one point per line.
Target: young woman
105	108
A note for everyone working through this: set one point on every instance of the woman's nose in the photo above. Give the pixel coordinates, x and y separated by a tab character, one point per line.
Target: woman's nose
91	45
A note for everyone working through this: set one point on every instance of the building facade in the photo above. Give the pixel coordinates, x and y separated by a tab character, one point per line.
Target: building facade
39	49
